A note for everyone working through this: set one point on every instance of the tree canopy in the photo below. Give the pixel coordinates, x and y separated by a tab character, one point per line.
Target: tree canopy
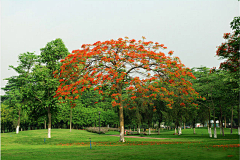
116	65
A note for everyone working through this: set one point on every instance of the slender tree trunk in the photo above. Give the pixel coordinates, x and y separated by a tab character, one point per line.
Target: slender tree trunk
149	129
3	128
121	117
18	124
225	122
180	129
239	120
159	126
49	122
138	129
184	125
221	121
215	128
222	128
45	124
175	128
70	119
210	132
210	129
220	125
232	120
194	132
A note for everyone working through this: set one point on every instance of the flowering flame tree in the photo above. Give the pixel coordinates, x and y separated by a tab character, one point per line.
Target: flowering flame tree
117	65
229	50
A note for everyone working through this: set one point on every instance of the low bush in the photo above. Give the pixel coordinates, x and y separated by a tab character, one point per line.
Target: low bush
103	130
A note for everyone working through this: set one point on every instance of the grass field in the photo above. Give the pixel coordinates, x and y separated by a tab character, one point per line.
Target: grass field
76	145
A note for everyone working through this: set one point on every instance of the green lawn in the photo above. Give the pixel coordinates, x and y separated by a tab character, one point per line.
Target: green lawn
76	145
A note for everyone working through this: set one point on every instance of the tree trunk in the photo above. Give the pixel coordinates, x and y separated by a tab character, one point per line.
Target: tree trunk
184	125
225	122
3	128
220	125
215	128
194	126
70	119
222	128
232	120
210	129
138	129
45	124
159	126
121	118
175	128
180	128
221	121
18	124
210	132
149	129
49	122
239	120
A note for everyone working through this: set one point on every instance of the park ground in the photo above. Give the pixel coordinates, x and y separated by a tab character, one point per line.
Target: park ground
64	144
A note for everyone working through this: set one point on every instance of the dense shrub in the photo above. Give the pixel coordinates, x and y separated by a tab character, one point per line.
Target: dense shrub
103	130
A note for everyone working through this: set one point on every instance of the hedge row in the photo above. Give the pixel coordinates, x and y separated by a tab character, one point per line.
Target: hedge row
103	130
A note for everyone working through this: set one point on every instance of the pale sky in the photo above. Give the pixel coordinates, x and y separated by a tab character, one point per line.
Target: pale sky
191	28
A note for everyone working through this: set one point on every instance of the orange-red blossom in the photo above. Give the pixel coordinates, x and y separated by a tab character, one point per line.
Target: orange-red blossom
114	64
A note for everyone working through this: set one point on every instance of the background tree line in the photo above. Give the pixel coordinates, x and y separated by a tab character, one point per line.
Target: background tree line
28	102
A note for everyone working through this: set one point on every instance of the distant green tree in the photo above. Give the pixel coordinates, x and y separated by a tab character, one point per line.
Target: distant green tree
17	88
45	82
230	51
212	86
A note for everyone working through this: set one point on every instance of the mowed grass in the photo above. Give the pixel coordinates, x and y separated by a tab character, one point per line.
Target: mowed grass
76	145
